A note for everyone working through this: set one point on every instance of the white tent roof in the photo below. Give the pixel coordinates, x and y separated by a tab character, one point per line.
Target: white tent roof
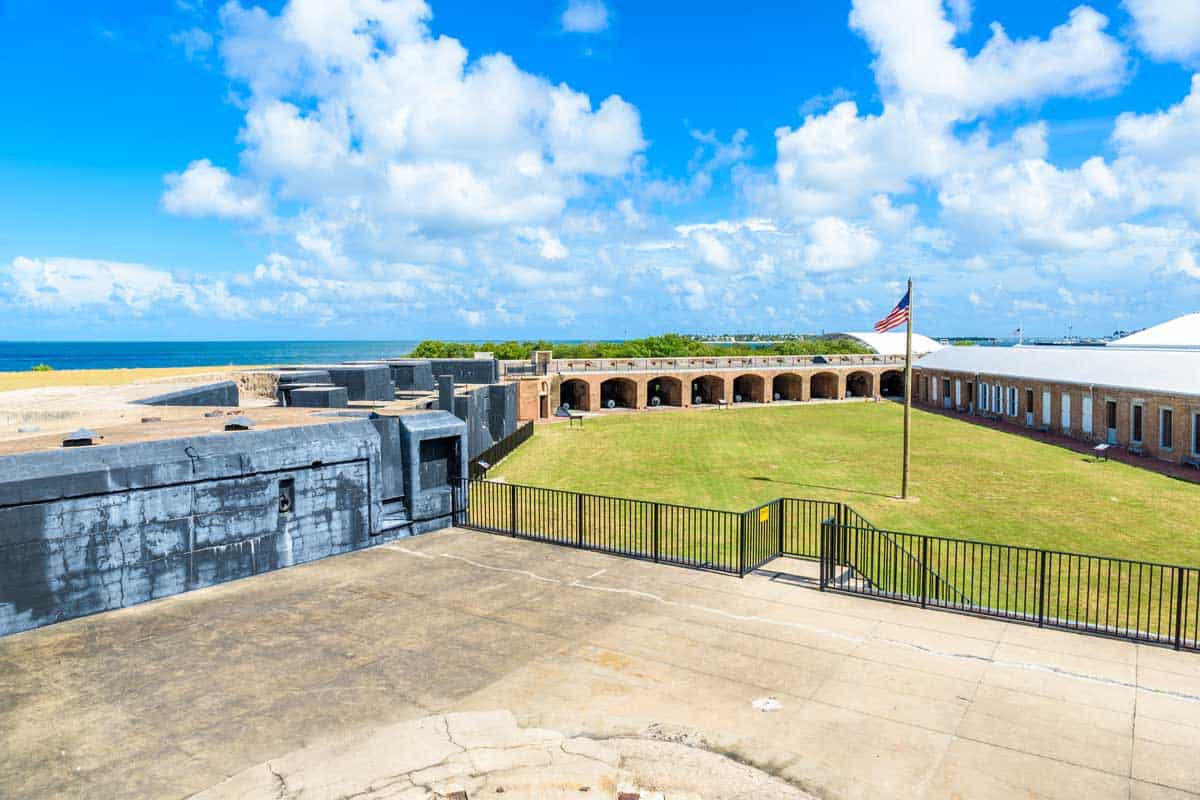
1165	371
1181	332
892	344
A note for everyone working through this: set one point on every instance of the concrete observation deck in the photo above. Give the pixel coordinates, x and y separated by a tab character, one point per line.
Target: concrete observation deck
469	660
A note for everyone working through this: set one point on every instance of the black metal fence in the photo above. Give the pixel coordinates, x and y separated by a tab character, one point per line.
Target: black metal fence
1136	600
497	452
723	541
1139	600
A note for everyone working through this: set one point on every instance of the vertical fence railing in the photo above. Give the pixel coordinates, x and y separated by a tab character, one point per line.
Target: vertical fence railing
672	534
489	458
1137	600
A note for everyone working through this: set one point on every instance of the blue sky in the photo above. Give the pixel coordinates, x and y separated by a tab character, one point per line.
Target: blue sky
396	169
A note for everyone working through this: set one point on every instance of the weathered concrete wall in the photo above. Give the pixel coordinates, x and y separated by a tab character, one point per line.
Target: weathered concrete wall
467	370
316	397
472	407
224	393
365	381
502	410
91	529
412	375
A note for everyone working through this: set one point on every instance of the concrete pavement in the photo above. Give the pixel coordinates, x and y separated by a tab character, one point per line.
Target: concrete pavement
310	668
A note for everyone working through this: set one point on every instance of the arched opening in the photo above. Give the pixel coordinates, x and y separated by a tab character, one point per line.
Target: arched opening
860	384
825	386
787	387
618	393
748	389
664	391
708	389
575	395
891	383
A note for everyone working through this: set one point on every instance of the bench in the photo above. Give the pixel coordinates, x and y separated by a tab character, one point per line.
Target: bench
1101	451
722	404
1191	461
572	418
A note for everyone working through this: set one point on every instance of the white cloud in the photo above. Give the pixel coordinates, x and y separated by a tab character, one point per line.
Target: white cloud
712	251
206	190
405	127
836	244
71	285
1169	30
196	42
916	58
960	14
585	16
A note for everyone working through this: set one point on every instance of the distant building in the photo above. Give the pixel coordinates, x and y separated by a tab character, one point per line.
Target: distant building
1181	333
890	344
1147	400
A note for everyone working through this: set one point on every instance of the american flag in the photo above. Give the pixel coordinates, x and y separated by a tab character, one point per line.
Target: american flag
896	317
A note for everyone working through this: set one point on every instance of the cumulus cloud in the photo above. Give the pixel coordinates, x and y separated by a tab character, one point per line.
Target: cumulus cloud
207	190
358	104
59	285
916	58
585	16
1169	30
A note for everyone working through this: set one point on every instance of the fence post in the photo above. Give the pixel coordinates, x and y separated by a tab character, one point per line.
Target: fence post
742	545
512	509
1178	608
1041	587
578	520
656	531
781	503
454	489
823	549
924	569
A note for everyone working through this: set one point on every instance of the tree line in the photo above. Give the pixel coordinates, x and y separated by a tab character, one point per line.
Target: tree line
669	345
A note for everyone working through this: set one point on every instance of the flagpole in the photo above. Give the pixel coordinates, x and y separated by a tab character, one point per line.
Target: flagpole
907	392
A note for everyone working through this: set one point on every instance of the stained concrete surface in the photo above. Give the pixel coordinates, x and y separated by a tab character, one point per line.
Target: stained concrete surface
178	696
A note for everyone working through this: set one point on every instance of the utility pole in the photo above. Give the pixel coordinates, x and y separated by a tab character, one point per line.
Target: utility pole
907	392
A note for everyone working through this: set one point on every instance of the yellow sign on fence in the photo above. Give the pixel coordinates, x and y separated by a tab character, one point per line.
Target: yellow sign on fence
764	513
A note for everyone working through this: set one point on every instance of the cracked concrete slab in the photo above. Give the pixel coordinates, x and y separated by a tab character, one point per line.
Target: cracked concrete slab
496	662
487	753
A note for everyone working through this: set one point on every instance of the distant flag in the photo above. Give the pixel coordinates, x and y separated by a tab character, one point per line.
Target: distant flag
896	317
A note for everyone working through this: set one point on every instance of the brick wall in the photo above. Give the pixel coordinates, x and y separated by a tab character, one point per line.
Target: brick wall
1184	409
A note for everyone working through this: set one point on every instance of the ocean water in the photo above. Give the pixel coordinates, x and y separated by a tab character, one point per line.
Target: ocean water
21	356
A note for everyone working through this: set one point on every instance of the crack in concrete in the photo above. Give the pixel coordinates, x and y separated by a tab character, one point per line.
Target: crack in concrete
282	788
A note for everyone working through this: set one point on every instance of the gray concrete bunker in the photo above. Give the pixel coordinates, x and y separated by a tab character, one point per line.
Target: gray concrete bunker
90	529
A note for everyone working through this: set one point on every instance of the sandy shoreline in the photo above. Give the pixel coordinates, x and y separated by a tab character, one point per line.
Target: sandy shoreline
28	379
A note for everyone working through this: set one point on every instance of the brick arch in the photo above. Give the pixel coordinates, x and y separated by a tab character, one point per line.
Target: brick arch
787	386
667	389
860	384
750	388
576	394
891	383
824	385
707	389
618	393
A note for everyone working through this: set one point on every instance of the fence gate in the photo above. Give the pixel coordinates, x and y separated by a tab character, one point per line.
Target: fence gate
762	535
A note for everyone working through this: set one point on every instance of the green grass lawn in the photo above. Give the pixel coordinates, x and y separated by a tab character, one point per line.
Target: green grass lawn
970	481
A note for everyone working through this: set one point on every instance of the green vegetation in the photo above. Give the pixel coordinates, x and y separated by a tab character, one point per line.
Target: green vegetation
41	368
971	482
670	345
